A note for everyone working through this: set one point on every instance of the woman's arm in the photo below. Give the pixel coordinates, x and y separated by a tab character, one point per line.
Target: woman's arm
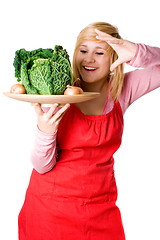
141	81
146	56
138	82
43	156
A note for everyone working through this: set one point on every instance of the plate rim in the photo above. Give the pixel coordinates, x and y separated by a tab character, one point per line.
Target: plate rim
44	98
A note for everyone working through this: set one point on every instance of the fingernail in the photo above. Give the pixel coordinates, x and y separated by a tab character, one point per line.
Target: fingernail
67	105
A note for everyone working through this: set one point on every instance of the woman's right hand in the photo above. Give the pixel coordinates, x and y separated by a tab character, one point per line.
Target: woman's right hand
48	122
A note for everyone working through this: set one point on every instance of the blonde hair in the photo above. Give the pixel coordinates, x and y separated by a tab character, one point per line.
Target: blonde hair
88	34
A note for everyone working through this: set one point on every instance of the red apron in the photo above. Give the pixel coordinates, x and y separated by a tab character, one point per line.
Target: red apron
76	200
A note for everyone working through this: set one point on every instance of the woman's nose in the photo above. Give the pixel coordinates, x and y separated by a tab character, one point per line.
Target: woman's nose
89	58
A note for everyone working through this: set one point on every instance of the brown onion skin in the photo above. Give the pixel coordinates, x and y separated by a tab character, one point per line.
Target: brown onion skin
72	90
17	88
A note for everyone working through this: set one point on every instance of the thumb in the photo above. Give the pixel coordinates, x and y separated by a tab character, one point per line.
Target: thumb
38	109
115	64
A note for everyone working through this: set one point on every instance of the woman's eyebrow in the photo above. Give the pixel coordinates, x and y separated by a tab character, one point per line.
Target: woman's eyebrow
83	45
98	47
101	48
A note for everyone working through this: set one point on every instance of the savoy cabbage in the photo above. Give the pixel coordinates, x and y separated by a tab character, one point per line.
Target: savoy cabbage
43	71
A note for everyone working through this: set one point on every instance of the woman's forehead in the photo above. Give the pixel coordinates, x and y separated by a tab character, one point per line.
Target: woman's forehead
94	44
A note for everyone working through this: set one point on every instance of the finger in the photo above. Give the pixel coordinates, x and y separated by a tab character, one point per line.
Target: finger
103	36
114	65
59	119
112	41
115	41
51	111
59	113
38	109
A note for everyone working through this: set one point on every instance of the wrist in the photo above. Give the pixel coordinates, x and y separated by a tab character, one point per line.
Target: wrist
135	53
46	131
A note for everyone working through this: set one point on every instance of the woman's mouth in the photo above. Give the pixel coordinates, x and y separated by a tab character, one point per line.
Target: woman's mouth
89	69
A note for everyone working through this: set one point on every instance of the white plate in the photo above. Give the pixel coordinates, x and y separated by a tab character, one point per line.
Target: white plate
50	99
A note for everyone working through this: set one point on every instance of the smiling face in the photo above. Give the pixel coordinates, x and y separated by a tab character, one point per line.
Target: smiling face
93	61
99	63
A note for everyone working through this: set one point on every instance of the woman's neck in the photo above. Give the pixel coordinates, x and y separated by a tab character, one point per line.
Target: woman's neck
99	86
95	106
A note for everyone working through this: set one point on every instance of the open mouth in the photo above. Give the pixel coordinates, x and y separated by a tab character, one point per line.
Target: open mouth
90	69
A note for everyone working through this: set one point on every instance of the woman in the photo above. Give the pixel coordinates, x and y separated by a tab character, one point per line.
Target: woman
72	191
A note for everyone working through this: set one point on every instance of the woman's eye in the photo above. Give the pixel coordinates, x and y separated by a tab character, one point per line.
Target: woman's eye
100	53
83	51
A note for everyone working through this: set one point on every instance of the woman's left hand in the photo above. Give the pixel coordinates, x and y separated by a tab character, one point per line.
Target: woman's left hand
125	50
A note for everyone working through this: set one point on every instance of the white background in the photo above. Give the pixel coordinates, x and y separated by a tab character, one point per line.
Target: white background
34	24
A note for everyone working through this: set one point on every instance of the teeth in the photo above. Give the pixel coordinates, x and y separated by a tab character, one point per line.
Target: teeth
89	68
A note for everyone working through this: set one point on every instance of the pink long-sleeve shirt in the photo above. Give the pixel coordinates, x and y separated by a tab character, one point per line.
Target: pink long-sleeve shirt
136	84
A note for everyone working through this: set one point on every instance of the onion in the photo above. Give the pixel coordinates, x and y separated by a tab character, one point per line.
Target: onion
73	90
17	88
